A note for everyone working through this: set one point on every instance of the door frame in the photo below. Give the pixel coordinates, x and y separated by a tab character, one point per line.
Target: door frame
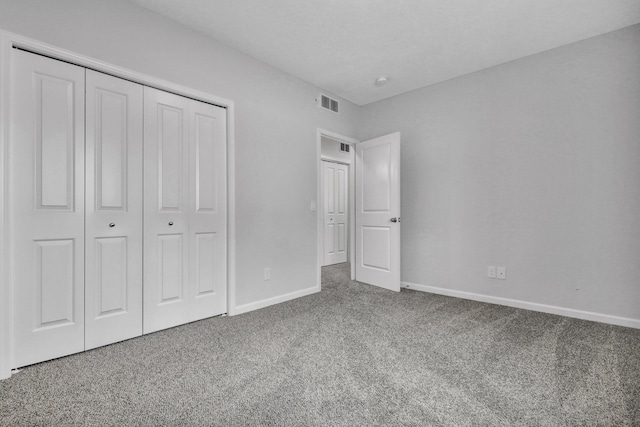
320	208
9	41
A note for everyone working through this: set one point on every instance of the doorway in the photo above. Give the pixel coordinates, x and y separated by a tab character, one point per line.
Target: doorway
373	229
336	201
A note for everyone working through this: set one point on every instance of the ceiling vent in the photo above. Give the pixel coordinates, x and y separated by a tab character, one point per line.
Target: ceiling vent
329	103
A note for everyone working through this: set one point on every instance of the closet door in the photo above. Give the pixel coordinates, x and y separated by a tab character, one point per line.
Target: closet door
166	205
208	210
113	260
185	216
47	207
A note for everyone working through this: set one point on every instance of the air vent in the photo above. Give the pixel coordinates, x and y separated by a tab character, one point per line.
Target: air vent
329	103
344	147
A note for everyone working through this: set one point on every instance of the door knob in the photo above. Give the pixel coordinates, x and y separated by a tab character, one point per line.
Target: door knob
170	223
111	224
394	220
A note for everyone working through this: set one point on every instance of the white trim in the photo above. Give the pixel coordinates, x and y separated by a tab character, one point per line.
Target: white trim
7	42
352	201
543	308
5	276
276	300
326	158
231	210
35	46
319	226
337	137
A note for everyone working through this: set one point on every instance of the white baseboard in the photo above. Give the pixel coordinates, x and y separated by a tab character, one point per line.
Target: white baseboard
551	309
274	300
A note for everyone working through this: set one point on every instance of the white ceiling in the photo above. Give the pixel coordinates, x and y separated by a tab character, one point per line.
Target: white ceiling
342	46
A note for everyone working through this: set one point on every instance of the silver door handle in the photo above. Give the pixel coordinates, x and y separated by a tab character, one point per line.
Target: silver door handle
170	223
394	220
111	224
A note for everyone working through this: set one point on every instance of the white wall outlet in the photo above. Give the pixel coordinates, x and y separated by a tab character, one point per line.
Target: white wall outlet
314	206
491	271
267	273
502	273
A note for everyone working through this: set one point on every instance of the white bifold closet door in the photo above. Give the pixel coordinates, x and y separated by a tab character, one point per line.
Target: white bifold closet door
113	237
47	207
77	260
185	210
83	231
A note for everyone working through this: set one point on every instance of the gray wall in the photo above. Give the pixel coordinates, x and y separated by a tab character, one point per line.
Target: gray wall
330	150
276	123
533	165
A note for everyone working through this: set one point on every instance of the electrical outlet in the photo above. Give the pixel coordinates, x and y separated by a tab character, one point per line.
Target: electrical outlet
314	206
491	271
267	273
502	273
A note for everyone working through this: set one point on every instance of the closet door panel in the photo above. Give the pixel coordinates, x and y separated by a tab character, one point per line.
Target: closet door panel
113	209
166	200
170	268
47	207
208	210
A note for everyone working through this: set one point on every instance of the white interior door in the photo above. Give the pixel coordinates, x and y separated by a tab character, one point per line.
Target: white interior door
378	211
113	259
335	203
185	210
47	207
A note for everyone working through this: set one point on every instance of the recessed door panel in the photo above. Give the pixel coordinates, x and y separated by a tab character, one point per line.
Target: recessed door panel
54	107
205	160
376	179
111	276
376	237
170	268
341	189
342	238
47	207
330	189
330	238
378	211
55	283
113	260
205	261
54	142
111	149
170	154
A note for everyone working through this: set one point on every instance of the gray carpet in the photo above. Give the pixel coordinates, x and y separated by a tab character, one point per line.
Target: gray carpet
350	355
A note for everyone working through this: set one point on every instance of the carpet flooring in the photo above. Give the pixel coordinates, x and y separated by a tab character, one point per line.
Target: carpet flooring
351	355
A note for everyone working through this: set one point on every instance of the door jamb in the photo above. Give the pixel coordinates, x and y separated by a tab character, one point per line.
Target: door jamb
352	201
7	42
